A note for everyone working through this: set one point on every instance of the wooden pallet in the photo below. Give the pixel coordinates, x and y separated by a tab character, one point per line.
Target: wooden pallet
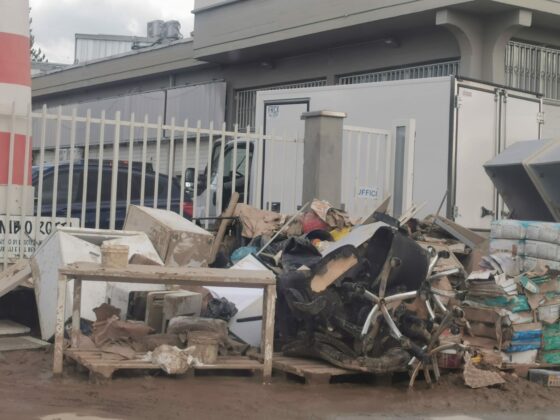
102	365
314	372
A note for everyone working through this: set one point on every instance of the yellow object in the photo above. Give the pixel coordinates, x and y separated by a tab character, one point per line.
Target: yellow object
338	234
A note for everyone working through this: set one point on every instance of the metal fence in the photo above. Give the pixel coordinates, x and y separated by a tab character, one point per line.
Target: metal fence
93	184
246	100
440	69
533	68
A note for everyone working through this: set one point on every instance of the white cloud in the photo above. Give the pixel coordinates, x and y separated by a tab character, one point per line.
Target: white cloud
56	21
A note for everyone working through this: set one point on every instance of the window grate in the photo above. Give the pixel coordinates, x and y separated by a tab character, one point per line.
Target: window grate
414	72
246	101
533	68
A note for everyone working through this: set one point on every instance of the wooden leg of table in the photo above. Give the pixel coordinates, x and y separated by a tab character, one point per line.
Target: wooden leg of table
269	304
76	316
59	330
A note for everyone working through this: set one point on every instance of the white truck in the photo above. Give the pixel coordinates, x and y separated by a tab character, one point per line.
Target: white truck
423	140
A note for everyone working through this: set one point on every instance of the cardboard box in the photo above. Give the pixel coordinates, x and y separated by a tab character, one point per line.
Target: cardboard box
178	241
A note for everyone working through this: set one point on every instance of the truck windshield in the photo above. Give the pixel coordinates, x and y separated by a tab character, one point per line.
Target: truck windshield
229	161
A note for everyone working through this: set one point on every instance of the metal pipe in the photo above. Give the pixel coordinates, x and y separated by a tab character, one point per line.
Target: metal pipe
283	227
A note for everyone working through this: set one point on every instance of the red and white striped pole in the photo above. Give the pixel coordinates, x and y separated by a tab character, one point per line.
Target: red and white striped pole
15	97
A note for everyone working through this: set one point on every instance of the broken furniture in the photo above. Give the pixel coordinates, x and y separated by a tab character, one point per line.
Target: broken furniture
178	241
526	176
68	245
186	276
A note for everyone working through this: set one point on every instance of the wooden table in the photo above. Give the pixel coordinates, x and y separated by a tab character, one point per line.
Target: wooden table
163	275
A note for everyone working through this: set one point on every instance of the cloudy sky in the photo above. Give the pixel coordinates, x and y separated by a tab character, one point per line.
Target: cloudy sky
56	21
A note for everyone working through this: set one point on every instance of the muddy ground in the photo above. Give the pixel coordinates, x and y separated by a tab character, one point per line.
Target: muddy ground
28	391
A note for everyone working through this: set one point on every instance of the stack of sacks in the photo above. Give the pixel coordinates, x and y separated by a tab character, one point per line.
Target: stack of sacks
537	243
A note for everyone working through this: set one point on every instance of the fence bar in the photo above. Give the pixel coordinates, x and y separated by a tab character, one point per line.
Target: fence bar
221	173
183	169
196	163
130	157
260	155
86	168
115	172
284	143
54	204
248	154
144	153
158	156
10	180
27	152
234	160
71	168
171	163
100	170
41	171
209	174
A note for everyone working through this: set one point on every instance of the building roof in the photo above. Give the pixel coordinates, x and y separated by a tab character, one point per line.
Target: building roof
160	58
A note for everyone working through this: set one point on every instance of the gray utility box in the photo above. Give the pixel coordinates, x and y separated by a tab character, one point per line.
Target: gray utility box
178	241
526	175
162	306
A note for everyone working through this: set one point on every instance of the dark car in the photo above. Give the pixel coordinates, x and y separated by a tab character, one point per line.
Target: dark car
76	195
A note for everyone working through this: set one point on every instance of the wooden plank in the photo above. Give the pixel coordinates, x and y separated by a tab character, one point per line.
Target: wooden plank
267	344
302	367
14	276
170	275
21	343
58	355
11	328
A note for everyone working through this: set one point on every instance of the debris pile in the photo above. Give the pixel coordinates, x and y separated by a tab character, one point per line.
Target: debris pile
377	294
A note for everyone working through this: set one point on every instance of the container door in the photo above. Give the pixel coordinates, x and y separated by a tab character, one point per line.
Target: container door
476	143
283	156
520	121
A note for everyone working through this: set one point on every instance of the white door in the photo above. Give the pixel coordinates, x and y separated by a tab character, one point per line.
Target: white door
477	119
520	121
283	156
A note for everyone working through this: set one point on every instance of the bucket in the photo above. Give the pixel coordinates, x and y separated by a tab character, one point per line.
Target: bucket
114	256
205	345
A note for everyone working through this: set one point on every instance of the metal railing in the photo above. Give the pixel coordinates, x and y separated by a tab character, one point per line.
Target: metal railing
121	162
246	100
533	68
440	69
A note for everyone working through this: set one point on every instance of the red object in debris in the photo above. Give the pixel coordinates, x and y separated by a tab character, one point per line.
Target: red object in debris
188	209
311	222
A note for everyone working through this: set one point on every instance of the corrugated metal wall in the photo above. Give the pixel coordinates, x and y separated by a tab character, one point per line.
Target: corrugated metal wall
204	102
94	49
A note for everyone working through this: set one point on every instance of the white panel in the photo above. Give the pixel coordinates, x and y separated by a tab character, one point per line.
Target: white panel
551	127
521	119
521	123
476	144
95	49
283	174
205	102
149	103
379	105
